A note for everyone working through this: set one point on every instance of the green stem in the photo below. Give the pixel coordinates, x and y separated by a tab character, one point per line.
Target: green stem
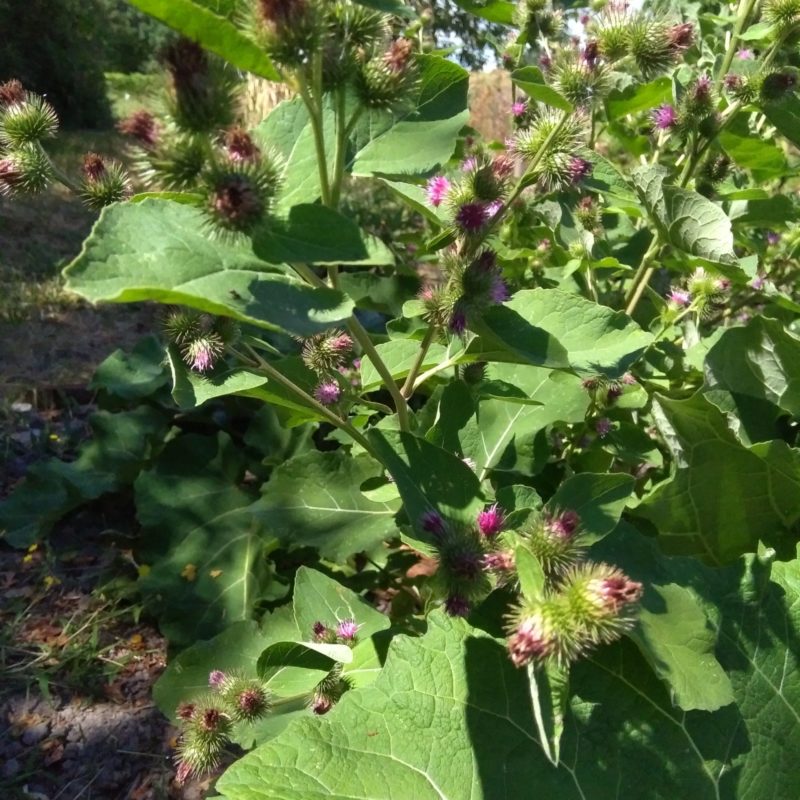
361	335
743	12
341	148
58	174
642	277
338	422
441	367
314	106
408	386
522	183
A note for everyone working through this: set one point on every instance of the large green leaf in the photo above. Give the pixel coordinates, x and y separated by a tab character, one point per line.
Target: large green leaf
428	477
785	116
205	546
675	632
215	33
501	433
320	235
598	499
758	366
159	250
449	718
686	219
121	445
135	374
314	500
531	81
423	138
638	97
549	327
499	11
751	151
724	497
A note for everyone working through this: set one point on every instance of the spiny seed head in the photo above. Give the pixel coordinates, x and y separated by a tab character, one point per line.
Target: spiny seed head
104	182
555	540
25	170
473	374
530	640
782	14
610	31
554	169
326	352
461	572
381	85
651	45
502	564
141	125
329	691
291	31
27	122
778	84
185	711
580	80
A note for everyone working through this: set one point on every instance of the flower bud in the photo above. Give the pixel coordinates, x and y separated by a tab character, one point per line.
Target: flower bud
665	117
387	81
347	630
782	14
579	78
329	691
437	189
201	338
27	122
530	640
11	93
473	374
327	393
141	125
491	521
25	170
554	539
240	145
326	352
289	30
457	606
103	183
216	679
653	44
432	522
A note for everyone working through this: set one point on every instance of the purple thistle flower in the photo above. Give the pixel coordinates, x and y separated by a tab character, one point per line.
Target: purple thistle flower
458	322
347	629
457	606
471	217
328	393
579	168
321	704
432	522
216	678
563	525
772	238
702	89
545	62
518	109
528	642
603	426
469	164
319	631
758	282
501	561
614	592
745	55
679	297
203	356
437	188
498	293
664	117
493	209
490	521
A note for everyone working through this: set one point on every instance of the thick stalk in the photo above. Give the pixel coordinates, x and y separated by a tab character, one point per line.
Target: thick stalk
274	374
743	12
408	386
341	148
314	106
642	277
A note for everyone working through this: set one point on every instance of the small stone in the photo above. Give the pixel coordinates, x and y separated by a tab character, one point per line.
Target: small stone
11	768
35	734
21	408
